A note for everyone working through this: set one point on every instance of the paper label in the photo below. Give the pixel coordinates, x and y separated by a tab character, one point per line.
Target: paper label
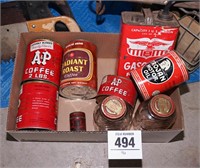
125	144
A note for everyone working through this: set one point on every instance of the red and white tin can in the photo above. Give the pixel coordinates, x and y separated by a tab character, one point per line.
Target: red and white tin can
141	42
43	61
160	75
38	106
118	86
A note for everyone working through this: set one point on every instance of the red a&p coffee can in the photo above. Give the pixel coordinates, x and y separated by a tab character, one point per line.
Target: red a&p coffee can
118	86
43	61
79	70
160	75
38	106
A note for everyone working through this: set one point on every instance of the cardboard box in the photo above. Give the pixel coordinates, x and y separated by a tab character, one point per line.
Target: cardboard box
107	56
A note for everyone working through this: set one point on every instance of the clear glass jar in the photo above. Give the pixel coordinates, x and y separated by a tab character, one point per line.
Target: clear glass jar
112	113
156	113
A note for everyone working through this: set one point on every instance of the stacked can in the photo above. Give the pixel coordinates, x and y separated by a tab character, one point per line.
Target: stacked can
116	99
39	89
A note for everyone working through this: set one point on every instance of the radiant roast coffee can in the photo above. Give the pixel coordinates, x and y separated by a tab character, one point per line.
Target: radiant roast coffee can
118	86
38	106
144	37
160	75
79	70
43	61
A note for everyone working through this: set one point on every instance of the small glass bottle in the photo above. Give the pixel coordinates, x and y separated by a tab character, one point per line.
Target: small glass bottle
156	113
77	121
112	114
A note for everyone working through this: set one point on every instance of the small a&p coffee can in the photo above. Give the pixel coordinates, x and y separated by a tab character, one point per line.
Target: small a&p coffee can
118	86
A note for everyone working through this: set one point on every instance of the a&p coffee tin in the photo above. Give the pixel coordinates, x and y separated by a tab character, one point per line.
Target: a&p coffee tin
38	106
113	85
43	61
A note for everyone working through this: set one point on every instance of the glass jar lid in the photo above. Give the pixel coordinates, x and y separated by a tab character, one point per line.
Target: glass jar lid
162	105
113	107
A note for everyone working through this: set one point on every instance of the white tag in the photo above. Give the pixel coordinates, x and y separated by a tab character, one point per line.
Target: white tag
125	144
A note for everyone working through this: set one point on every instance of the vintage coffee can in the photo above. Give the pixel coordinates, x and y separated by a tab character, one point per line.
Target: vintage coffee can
38	106
43	61
79	70
144	37
160	75
77	121
118	86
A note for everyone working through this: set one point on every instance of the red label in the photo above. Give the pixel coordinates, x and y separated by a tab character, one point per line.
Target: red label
43	61
118	86
160	75
141	44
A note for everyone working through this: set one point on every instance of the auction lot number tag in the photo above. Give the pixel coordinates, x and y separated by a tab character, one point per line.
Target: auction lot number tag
125	144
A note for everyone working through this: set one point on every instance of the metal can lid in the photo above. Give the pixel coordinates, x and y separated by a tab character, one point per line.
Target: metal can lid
162	105
113	107
76	92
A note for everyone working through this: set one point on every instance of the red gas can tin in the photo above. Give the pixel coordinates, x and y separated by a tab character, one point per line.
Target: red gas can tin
43	61
160	75
144	37
118	86
37	106
79	70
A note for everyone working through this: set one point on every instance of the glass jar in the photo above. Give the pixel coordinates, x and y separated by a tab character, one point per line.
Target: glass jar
156	113
112	113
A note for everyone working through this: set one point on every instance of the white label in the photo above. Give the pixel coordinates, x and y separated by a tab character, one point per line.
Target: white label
125	144
41	45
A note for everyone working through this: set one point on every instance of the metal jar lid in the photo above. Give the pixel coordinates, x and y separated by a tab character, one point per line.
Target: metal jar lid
113	107
162	105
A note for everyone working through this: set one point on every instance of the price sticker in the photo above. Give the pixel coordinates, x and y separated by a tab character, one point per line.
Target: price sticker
125	144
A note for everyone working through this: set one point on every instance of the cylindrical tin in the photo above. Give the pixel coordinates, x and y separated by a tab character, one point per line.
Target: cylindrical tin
156	113
118	86
160	75
43	61
77	121
79	70
37	106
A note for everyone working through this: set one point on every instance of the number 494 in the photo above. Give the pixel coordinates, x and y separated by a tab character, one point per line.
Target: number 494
124	142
